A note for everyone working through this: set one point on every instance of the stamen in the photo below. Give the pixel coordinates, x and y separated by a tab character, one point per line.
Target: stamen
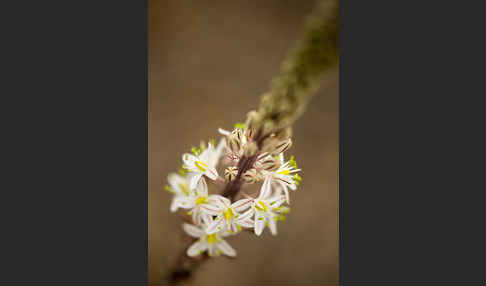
201	200
211	238
228	214
200	165
184	188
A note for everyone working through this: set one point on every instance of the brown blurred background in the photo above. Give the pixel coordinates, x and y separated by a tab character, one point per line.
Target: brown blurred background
209	62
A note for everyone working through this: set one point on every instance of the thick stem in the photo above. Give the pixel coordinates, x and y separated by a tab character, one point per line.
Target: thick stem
233	187
184	268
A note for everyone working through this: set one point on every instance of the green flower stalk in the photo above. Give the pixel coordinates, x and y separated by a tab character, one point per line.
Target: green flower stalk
315	53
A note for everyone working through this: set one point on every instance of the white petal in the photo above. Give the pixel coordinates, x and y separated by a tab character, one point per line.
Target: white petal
221	145
189	160
181	202
175	181
276	201
246	215
210	209
287	197
215	226
206	154
196	248
265	191
259	224
194	180
202	188
174	205
292	185
247	223
195	217
185	202
220	200
226	249
242	204
192	230
272	224
211	173
223	132
206	218
212	250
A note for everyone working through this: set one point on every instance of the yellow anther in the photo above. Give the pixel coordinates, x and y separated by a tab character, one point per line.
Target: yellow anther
284	172
184	189
211	238
182	172
168	188
201	200
261	206
228	214
201	166
292	162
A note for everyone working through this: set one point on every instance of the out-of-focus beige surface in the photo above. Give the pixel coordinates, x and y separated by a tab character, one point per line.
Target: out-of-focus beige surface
209	62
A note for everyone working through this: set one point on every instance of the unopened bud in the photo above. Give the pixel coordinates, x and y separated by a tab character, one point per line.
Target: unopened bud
252	119
269	144
248	134
250	148
230	173
238	133
284	133
269	163
283	146
234	140
252	176
268	127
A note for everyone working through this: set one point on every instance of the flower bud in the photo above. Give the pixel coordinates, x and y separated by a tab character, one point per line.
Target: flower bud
230	173
269	163
252	119
248	134
269	144
284	133
234	140
252	176
250	148
283	146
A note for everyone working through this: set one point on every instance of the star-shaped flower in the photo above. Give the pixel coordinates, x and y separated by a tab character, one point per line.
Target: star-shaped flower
203	163
267	208
213	243
202	207
285	177
229	219
179	186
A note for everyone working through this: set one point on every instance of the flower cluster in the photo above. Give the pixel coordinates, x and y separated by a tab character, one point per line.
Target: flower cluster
214	216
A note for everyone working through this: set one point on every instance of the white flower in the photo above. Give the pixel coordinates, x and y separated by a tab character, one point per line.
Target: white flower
283	176
267	208
179	186
201	206
213	243
228	218
203	164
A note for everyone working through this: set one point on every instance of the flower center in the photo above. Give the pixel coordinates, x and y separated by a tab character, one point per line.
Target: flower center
201	166
201	200
211	238
228	214
184	189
